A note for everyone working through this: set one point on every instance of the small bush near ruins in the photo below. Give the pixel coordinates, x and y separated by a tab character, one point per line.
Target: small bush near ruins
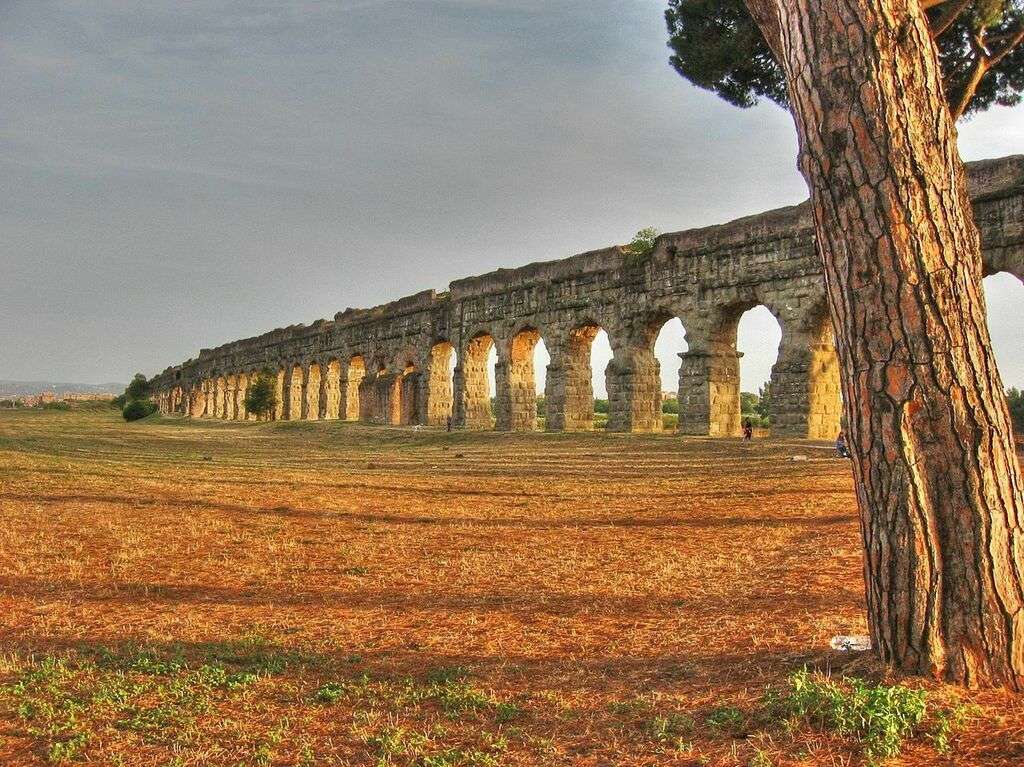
184	592
137	409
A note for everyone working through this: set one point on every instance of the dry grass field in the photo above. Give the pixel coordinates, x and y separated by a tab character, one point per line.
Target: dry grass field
207	593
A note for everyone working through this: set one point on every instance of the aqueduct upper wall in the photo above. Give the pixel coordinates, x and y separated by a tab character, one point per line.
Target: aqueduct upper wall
392	363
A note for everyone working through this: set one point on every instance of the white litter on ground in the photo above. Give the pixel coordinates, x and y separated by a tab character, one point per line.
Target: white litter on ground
851	643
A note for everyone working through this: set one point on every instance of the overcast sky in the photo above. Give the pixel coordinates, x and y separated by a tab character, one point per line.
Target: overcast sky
181	174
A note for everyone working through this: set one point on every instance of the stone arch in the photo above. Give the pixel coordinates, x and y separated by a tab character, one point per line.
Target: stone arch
332	389
472	383
311	402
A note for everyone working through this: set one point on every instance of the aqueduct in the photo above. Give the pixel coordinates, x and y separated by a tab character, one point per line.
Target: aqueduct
393	363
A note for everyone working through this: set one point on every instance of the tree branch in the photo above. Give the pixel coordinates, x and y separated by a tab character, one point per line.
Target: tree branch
981	66
1016	39
951	14
766	17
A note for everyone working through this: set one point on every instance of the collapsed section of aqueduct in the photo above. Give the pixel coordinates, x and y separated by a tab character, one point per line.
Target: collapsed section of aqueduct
392	364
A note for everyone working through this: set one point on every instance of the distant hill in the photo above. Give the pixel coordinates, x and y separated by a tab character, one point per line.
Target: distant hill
29	388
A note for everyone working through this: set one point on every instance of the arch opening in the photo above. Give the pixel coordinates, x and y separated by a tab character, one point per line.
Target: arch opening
670	347
758	336
1004	297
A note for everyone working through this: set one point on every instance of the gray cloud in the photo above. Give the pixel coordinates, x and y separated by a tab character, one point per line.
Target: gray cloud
176	175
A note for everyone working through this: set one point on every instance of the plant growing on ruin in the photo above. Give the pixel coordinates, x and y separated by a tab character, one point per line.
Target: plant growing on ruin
261	397
875	88
641	246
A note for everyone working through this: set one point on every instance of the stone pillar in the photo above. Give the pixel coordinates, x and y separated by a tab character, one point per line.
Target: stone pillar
709	392
386	398
805	391
472	389
367	399
230	397
332	391
350	391
409	396
436	387
296	392
569	389
516	401
218	398
311	392
243	389
505	399
279	390
196	401
633	379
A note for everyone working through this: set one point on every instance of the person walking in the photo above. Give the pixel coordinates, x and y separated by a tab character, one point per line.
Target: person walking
748	430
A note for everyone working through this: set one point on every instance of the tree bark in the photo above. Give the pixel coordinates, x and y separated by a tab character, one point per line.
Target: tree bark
937	477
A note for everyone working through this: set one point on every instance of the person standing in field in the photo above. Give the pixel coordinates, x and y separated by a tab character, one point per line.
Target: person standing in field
748	430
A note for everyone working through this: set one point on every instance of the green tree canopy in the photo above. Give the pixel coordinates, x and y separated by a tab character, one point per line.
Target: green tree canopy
261	397
716	45
138	389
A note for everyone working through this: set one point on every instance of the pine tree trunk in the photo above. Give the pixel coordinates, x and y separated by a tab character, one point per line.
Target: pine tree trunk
938	481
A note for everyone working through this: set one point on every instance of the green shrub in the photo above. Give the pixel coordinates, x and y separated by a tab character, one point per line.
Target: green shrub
119	402
669	421
261	397
881	717
670	406
137	409
1015	399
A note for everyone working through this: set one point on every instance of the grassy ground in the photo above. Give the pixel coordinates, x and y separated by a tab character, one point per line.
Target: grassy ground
198	593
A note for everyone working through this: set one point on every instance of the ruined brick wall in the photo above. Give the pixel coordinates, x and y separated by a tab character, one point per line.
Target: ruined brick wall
390	364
